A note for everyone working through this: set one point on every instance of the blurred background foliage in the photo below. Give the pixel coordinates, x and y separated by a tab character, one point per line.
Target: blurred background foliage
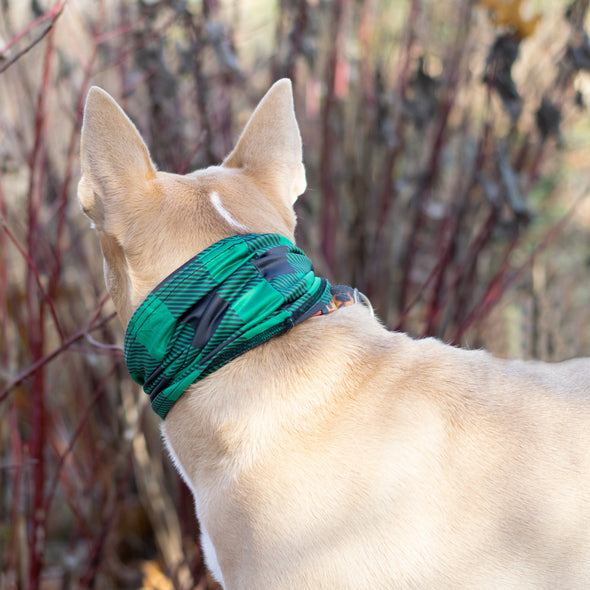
446	144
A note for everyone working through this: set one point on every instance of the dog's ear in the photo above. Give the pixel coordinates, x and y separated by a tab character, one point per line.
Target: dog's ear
270	145
116	164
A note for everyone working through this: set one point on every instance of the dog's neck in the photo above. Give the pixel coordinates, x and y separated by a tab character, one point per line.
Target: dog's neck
238	293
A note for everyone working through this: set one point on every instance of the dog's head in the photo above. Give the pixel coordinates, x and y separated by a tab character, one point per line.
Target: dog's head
151	222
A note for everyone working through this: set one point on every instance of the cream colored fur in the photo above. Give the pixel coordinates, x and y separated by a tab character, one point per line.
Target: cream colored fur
340	455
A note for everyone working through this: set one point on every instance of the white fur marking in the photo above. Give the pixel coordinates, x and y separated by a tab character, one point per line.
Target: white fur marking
210	556
206	543
216	202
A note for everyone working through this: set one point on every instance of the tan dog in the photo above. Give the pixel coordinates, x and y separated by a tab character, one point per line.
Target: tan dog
341	455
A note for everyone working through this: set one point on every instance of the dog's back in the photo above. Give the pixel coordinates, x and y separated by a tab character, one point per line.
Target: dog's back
392	463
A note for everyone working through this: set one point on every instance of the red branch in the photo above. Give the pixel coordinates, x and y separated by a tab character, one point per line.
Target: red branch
93	325
52	15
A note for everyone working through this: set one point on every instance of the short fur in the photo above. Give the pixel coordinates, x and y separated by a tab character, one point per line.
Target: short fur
341	455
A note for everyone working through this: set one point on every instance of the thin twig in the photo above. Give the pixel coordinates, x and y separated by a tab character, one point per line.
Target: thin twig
52	14
67	343
35	271
81	425
499	284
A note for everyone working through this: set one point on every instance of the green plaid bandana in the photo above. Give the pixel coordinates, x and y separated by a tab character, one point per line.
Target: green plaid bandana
233	296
